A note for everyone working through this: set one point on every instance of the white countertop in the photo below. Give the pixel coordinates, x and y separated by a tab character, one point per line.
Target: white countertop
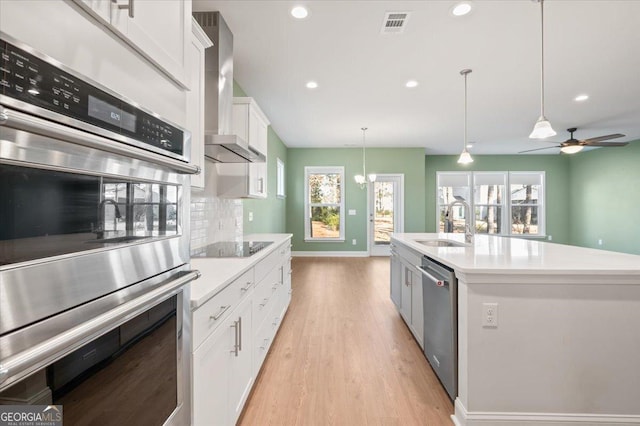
217	273
492	254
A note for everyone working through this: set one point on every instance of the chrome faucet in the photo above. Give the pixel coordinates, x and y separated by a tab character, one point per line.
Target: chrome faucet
468	232
100	230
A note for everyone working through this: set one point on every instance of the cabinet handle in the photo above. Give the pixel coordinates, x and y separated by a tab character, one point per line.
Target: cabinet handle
236	346
261	185
264	344
275	321
247	287
264	302
223	309
240	333
128	6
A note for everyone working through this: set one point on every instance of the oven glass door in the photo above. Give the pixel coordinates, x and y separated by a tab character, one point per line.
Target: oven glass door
47	213
129	375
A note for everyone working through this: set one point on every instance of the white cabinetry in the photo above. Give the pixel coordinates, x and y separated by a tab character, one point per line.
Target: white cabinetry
246	180
232	333
406	289
159	30
195	99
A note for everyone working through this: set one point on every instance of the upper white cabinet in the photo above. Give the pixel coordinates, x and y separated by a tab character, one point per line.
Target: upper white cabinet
159	30
195	100
250	123
246	180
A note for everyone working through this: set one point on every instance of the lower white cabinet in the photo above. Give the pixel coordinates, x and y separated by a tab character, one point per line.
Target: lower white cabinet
233	332
406	289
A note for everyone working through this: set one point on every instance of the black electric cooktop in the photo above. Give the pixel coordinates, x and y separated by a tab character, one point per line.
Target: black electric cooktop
231	249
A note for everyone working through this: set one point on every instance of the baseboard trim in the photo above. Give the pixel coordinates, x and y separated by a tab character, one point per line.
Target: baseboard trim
330	253
462	417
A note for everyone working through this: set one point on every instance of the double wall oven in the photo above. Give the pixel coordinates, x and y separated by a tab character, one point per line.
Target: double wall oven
94	248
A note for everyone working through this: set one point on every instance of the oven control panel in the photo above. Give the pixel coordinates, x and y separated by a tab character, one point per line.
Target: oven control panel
40	81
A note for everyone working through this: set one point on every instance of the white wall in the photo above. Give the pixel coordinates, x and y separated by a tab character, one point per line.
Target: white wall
564	345
63	31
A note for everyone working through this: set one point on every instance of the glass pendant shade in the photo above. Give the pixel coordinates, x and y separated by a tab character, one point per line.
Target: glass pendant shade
372	177
542	129
571	149
465	158
360	180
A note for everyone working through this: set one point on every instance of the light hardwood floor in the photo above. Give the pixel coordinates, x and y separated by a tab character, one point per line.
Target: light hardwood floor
344	356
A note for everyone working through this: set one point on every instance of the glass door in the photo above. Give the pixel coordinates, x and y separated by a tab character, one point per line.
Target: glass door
385	211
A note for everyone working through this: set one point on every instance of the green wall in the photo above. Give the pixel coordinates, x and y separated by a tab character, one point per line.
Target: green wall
269	214
605	198
379	160
557	184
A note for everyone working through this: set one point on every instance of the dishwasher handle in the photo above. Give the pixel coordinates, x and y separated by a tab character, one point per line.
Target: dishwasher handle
436	281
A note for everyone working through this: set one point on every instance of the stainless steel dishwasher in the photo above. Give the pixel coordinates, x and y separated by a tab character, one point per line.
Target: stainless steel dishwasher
440	303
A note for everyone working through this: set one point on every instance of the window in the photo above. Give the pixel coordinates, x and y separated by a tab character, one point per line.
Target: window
280	179
324	203
496	210
527	202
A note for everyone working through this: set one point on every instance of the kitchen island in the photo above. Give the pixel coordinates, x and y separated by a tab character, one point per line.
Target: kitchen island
566	346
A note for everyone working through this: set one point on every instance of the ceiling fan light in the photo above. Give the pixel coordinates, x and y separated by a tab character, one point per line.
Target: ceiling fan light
360	179
465	157
571	149
542	129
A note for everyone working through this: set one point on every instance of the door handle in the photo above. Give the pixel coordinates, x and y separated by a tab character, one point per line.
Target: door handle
236	346
437	282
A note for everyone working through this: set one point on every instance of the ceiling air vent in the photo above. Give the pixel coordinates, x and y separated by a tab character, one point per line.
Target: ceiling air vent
394	22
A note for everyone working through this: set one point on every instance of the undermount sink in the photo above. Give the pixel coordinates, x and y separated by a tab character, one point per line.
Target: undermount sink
440	243
117	240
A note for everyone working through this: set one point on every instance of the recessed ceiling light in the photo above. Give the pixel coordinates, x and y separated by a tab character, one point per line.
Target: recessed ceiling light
461	9
411	83
581	98
312	85
299	12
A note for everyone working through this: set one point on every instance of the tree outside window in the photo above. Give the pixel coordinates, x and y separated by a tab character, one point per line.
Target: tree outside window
324	201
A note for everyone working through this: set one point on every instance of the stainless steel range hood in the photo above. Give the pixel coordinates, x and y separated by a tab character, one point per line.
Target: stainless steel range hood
221	145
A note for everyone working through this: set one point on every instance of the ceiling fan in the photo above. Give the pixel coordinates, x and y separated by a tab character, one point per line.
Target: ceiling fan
572	145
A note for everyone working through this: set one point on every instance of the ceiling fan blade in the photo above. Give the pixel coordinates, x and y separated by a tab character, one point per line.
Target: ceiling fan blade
606	144
603	138
538	149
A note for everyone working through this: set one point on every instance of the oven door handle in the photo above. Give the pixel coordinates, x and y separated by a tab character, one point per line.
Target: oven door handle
21	121
42	354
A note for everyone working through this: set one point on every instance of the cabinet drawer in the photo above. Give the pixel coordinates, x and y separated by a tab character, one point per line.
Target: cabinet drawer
264	336
210	315
265	296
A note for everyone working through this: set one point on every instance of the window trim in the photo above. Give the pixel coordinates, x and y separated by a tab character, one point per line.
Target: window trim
507	204
280	179
308	170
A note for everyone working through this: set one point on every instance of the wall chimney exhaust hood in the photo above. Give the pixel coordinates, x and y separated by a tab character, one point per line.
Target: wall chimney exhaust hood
220	144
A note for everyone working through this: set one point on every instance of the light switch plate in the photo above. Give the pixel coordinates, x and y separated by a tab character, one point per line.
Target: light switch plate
250	216
352	212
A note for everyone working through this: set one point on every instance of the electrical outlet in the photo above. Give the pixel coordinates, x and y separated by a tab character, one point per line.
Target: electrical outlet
599	241
550	238
353	241
490	315
250	216
352	212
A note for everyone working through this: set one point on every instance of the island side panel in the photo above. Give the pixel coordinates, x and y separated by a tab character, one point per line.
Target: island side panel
558	348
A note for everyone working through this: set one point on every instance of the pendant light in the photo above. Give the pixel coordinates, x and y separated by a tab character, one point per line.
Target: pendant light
361	179
465	157
542	128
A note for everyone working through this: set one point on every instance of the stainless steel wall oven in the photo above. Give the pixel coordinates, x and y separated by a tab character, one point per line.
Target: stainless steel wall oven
94	248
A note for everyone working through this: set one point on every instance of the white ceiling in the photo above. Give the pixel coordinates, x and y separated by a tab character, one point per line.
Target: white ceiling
591	47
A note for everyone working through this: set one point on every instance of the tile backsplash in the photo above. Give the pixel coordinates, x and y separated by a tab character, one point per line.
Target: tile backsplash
213	219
